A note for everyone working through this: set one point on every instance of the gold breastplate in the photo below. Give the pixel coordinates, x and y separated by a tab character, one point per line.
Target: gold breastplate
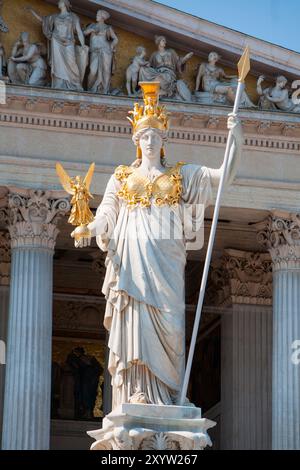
137	189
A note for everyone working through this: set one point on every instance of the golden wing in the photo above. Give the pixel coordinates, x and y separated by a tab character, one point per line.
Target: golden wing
88	178
64	179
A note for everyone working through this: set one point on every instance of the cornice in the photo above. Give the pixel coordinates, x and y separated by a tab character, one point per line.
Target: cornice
192	124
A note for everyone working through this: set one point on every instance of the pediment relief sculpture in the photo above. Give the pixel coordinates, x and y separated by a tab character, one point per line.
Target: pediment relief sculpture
216	86
67	60
277	97
82	56
27	65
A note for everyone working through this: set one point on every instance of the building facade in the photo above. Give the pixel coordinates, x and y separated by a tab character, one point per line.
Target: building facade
54	386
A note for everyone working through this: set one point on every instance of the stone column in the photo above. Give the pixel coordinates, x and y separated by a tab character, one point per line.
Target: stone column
244	289
32	225
281	235
4	301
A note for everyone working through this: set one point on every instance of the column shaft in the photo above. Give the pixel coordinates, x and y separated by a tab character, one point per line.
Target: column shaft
246	378
280	233
286	375
4	304
244	287
28	377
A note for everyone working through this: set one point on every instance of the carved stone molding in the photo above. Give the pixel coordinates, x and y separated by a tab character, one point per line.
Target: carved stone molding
78	316
33	218
281	236
124	428
241	277
102	115
5	258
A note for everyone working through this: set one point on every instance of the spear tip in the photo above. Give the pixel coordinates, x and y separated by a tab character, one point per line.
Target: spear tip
244	65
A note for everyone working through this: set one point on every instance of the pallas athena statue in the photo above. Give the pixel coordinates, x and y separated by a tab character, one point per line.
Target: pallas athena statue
144	281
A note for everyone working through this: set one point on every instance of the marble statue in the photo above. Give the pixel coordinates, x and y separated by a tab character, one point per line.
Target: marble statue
217	85
165	66
26	64
68	61
132	72
103	42
143	226
144	282
276	97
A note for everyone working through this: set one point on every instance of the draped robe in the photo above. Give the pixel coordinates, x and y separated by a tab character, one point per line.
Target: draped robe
145	292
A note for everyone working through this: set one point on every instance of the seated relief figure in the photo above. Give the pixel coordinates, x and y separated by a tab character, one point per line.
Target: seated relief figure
219	87
26	65
103	42
67	61
276	97
145	265
165	65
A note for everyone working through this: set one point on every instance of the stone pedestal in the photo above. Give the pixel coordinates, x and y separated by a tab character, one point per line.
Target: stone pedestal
26	421
243	287
4	302
281	235
153	427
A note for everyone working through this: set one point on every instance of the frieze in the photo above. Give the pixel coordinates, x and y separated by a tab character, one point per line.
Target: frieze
193	125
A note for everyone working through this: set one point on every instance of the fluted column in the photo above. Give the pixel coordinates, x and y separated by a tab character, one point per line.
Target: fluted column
281	235
33	231
244	288
4	301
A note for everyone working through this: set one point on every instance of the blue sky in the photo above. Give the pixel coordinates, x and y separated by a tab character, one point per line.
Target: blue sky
276	21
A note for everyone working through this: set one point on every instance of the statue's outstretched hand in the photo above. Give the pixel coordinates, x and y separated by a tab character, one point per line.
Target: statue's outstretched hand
82	236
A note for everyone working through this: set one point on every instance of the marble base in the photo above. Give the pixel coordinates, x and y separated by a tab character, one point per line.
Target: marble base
153	427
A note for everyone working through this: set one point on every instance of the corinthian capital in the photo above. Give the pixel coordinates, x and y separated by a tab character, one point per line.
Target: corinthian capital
33	216
242	277
281	236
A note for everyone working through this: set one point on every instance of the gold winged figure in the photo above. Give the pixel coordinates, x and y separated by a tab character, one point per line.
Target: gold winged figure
79	188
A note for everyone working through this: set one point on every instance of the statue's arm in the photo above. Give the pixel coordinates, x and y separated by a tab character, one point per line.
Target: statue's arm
35	14
89	30
108	211
114	39
79	32
15	50
200	75
235	154
28	56
259	87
